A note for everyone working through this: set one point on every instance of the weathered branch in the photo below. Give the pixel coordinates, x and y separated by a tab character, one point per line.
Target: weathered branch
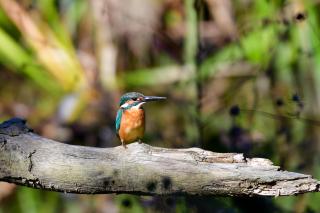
31	160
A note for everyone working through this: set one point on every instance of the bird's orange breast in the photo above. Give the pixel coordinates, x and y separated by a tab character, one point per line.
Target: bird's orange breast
132	125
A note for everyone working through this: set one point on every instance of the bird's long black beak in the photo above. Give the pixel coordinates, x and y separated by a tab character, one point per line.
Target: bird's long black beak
153	98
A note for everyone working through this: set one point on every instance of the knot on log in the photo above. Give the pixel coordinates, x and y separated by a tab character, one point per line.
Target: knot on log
13	127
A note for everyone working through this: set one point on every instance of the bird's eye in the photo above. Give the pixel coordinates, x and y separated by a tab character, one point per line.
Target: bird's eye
134	99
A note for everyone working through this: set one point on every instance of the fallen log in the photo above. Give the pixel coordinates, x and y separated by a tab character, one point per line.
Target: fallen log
31	160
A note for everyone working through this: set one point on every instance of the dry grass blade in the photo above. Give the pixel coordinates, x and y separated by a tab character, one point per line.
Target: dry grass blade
60	61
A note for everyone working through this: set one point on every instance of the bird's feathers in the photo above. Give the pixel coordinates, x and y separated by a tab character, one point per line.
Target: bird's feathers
132	125
118	120
129	96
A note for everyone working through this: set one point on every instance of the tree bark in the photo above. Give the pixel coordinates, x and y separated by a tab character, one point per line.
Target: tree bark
31	160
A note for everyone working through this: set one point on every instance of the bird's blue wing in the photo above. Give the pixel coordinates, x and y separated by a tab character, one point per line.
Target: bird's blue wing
118	120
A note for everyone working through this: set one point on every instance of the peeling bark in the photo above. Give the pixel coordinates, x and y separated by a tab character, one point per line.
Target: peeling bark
31	160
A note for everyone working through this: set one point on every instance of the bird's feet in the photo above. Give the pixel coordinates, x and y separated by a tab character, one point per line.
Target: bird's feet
124	145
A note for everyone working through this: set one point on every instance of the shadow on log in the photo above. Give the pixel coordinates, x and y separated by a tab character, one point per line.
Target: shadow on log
31	160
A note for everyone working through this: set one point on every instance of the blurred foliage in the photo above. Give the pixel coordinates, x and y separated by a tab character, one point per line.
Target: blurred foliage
240	76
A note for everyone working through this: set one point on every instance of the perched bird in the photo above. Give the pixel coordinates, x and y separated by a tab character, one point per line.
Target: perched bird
130	121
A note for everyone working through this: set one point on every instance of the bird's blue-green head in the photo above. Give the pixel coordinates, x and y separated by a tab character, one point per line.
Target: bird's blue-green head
132	99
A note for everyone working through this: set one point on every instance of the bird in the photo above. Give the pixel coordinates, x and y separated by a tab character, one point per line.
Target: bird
130	120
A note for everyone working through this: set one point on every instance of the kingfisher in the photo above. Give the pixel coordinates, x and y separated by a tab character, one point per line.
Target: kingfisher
130	120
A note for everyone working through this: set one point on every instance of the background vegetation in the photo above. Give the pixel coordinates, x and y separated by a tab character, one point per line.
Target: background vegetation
240	76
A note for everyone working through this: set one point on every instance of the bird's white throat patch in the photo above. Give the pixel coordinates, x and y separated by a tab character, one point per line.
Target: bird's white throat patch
139	105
